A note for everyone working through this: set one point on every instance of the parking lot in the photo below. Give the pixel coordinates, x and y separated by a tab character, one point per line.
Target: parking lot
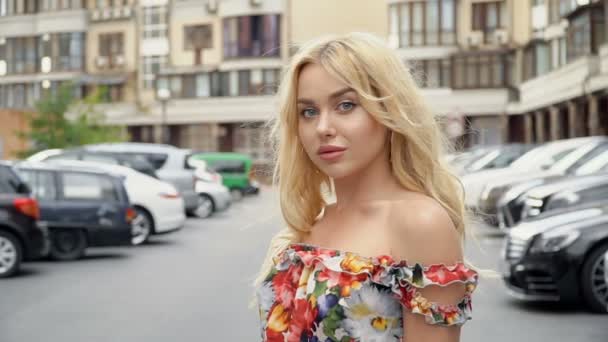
194	285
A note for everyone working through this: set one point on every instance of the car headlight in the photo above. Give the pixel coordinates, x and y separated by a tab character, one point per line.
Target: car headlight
562	200
553	241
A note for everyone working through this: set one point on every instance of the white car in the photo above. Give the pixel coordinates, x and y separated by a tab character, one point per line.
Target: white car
214	196
535	160
159	205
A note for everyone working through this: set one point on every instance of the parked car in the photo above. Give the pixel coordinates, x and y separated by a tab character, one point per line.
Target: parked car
565	193
567	166
509	206
214	195
113	158
494	157
235	169
539	158
81	207
560	256
170	162
159	207
21	236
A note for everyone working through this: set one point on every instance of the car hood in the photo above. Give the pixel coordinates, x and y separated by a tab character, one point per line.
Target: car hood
566	183
572	218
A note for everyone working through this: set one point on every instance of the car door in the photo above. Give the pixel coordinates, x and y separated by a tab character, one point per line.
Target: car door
87	200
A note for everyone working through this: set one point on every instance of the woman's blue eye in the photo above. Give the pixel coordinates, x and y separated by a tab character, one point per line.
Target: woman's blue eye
346	106
308	112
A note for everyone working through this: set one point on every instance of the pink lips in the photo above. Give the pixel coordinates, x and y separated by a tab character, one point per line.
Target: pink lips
330	152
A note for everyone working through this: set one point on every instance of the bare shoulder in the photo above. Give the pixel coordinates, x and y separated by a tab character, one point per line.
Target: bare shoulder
423	231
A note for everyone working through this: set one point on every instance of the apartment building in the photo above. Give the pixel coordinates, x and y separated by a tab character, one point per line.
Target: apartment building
493	70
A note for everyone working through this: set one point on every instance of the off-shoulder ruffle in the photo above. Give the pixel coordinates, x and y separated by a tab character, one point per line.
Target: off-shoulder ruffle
404	280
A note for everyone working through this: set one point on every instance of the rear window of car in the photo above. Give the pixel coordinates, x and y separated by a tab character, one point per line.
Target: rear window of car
157	160
41	182
100	158
9	180
228	166
88	186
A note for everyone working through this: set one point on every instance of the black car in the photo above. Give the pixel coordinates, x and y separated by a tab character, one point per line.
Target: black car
21	238
134	162
82	207
560	256
510	199
567	192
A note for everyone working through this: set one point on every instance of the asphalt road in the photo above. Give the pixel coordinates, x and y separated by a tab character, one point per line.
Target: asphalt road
194	285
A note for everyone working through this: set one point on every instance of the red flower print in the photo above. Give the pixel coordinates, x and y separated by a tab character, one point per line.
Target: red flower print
302	320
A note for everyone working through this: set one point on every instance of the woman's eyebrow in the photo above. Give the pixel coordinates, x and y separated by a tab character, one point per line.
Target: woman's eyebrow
332	96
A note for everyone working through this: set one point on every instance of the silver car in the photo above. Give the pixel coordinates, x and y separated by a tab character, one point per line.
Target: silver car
171	165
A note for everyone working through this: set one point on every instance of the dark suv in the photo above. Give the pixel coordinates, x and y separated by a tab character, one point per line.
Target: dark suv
21	238
82	207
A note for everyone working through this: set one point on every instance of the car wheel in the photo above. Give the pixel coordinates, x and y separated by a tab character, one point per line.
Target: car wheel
10	254
205	206
236	194
142	227
67	244
595	280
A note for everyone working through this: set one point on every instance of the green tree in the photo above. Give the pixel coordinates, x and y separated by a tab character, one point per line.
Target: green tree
61	121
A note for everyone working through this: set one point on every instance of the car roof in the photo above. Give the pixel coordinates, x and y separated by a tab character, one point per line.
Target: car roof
132	147
58	167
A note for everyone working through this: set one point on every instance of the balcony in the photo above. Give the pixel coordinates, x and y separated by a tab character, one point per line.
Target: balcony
111	14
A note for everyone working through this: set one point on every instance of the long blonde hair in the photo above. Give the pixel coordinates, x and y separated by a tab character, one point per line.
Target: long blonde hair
389	93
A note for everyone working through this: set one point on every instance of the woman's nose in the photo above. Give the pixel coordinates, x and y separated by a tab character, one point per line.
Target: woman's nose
324	125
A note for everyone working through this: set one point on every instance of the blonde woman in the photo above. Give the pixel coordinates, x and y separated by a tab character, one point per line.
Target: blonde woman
384	261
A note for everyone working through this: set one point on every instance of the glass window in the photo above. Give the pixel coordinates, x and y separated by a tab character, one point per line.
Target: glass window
224	83
448	16
252	36
417	20
86	186
244	83
202	85
405	25
432	22
198	37
154	22
188	86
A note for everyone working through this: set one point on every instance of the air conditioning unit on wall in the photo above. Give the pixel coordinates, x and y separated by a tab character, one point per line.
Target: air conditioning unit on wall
500	37
212	6
101	62
474	38
255	2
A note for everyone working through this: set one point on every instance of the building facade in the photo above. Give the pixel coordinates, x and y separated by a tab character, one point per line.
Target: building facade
496	70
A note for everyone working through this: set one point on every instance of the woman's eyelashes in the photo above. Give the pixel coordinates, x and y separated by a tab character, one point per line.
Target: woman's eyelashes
342	107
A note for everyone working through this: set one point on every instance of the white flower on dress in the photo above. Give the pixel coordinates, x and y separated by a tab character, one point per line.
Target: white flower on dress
265	296
372	315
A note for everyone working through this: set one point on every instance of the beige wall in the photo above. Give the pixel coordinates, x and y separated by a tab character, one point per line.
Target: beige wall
314	18
12	122
130	42
521	20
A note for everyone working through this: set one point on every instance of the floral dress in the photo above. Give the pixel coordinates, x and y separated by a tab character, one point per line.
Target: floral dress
319	294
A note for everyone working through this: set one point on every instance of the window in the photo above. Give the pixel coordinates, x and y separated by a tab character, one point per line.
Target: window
100	158
585	32
252	36
152	66
88	186
489	16
197	38
429	22
9	181
155	22
482	70
435	73
42	184
111	44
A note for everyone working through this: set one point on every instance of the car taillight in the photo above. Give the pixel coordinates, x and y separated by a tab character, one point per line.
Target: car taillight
28	206
169	195
130	215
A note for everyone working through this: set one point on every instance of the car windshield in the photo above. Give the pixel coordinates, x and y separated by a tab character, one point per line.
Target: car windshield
584	163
